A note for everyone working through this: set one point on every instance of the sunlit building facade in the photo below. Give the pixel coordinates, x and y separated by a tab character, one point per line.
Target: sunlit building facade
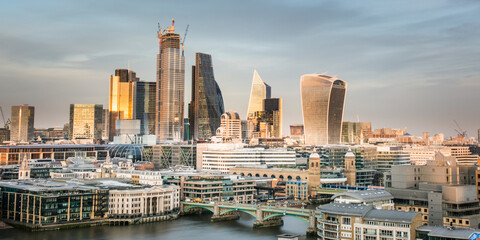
121	97
21	127
85	121
231	127
206	107
260	90
323	99
170	87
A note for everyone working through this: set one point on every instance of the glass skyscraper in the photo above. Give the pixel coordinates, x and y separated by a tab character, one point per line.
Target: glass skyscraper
86	121
144	98
323	100
121	97
170	87
260	90
21	126
206	107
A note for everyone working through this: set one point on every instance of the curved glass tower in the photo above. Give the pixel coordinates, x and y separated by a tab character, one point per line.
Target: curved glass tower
323	100
206	107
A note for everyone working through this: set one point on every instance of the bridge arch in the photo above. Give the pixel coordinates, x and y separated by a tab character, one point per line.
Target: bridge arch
286	214
257	175
249	175
281	177
273	176
298	178
238	210
265	175
204	207
289	178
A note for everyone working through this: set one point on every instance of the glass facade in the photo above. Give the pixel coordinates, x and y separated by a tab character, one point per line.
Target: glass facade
86	121
170	88
323	99
21	127
260	90
207	101
144	106
121	97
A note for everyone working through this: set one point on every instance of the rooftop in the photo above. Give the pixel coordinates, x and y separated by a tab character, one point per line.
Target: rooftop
448	232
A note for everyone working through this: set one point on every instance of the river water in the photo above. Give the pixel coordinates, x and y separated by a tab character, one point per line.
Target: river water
186	227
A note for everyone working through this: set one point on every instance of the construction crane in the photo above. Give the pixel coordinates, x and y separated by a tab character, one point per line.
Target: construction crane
460	132
6	124
183	39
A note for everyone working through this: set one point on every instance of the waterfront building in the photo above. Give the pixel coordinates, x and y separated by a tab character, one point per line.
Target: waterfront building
358	221
133	202
297	189
218	188
231	127
21	126
144	98
323	99
379	199
206	107
11	155
121	98
170	86
223	160
49	202
85	121
171	155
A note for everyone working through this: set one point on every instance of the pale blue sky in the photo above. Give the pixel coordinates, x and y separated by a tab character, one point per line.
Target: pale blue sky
408	63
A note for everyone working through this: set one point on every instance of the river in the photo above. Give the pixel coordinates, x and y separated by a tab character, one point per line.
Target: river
186	227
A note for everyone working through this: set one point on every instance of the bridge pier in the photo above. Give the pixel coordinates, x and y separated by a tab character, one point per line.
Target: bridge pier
271	222
312	225
224	217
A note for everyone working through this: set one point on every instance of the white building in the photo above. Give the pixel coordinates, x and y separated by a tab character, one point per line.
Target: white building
387	156
143	202
223	160
152	178
420	155
230	129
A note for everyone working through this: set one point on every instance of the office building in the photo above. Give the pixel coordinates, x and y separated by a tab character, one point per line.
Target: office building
21	127
85	121
268	122
352	133
223	160
259	91
144	97
296	131
4	135
206	106
121	98
388	156
323	99
230	127
171	155
170	87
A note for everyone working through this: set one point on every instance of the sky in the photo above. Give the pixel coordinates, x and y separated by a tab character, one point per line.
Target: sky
408	63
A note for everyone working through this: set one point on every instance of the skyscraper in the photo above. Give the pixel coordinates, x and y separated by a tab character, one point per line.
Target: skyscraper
21	127
260	90
323	99
206	107
144	99
170	87
121	97
86	121
273	111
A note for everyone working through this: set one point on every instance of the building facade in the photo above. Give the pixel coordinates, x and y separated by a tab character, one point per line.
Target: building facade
231	127
206	107
171	155
323	99
85	121
21	126
144	98
121	98
170	87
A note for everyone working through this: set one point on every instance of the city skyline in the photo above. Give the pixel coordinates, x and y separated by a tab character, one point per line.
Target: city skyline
403	63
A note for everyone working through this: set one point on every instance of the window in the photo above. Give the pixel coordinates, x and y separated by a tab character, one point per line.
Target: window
346	220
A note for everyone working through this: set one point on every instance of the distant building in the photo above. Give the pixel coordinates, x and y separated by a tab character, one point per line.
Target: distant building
223	160
230	127
379	199
86	121
388	156
260	91
218	189
4	135
144	98
171	155
121	97
296	131
323	99
446	233
170	87
21	127
206	106
268	122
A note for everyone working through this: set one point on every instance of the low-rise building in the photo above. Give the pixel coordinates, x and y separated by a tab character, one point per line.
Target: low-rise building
446	233
380	199
297	189
218	189
357	221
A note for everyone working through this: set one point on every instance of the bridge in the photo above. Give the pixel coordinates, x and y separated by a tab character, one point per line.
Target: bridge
265	216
